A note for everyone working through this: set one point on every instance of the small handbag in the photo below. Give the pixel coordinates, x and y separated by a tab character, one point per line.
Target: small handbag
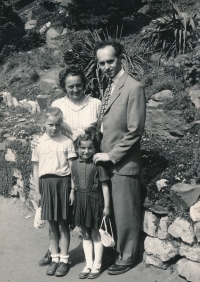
38	222
106	239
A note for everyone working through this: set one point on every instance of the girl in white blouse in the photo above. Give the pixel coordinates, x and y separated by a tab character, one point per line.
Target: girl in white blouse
52	159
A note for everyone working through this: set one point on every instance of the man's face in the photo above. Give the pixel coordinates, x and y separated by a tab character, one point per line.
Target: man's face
108	62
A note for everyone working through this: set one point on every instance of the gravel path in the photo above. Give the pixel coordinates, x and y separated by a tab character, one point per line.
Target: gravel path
22	246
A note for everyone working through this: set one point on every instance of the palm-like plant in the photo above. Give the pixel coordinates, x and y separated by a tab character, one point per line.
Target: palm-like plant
82	54
171	34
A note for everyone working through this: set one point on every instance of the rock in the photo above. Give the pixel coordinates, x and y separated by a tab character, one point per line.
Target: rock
158	209
189	269
64	3
10	140
181	228
65	31
163	227
30	24
10	156
15	102
154	104
149	224
185	195
195	212
195	98
162	249
168	124
162	96
157	262
44	28
17	173
53	39
161	183
20	182
43	102
7	98
192	253
15	190
197	230
34	106
49	80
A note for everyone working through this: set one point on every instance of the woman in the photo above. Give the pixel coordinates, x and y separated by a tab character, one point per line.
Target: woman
79	112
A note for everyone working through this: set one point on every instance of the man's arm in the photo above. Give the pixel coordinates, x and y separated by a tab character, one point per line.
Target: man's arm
136	113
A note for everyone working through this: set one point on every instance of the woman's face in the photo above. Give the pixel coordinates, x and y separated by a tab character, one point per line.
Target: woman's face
74	87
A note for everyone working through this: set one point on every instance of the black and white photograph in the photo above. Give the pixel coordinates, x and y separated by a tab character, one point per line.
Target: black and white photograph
99	140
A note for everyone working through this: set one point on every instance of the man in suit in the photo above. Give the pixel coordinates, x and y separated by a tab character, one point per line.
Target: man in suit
123	119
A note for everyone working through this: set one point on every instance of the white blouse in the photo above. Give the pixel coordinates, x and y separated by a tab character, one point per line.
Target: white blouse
78	116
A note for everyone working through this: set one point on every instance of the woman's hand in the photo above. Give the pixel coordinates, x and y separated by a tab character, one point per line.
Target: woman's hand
35	142
106	212
38	199
72	197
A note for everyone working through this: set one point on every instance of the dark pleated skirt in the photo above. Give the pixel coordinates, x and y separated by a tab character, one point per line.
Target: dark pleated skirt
88	209
55	192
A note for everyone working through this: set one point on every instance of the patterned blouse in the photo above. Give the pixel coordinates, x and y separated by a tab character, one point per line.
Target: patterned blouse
81	116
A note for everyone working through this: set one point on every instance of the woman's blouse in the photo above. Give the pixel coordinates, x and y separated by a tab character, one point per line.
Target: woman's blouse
79	116
53	154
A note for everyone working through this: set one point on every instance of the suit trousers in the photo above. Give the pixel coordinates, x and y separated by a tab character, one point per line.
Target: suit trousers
126	203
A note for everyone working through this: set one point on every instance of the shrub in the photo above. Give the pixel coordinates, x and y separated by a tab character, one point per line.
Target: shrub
171	34
96	14
81	53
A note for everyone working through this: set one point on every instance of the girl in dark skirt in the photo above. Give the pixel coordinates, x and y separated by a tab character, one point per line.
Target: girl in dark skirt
52	159
91	203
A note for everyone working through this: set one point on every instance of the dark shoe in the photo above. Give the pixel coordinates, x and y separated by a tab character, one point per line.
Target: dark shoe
47	259
94	273
52	268
62	269
116	269
84	274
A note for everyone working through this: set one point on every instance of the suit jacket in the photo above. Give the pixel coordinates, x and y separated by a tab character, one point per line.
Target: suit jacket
123	125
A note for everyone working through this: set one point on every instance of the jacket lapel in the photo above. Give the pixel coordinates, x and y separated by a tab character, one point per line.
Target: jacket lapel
116	91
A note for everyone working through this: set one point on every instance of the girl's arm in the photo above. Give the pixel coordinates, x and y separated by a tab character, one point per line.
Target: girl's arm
72	193
36	182
106	195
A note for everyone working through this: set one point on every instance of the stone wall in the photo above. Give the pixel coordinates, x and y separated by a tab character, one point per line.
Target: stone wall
174	238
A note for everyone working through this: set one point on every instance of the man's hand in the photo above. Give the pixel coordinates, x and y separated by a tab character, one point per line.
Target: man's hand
34	142
101	157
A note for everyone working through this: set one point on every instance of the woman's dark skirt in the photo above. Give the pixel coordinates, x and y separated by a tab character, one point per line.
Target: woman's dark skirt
88	209
55	191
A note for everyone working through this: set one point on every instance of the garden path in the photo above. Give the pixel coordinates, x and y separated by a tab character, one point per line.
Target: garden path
21	247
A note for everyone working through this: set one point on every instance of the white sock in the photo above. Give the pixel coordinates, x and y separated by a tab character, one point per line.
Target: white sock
64	258
98	252
88	251
55	257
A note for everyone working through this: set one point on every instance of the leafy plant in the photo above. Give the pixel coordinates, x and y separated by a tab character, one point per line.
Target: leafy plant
171	34
82	53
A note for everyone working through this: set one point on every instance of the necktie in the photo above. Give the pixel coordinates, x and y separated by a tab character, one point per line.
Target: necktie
106	98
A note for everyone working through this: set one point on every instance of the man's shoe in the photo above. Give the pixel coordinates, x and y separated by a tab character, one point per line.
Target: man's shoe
62	269
52	268
47	259
84	274
95	273
116	269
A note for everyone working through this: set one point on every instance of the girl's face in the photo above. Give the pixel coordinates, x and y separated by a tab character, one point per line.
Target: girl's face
74	87
53	126
86	150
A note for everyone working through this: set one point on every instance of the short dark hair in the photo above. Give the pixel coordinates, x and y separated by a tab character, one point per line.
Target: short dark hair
73	70
89	135
110	42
